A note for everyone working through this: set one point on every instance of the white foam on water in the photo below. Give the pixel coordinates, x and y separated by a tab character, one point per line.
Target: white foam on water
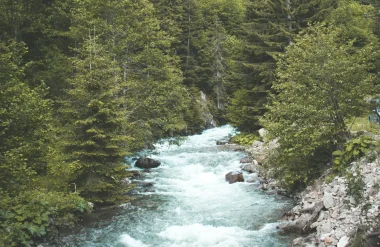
269	227
205	235
207	138
128	241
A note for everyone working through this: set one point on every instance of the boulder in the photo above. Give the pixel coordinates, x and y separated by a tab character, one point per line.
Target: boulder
303	223
250	167
246	160
147	163
235	176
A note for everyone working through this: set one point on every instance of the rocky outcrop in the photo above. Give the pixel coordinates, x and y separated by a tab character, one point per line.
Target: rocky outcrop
147	163
328	210
235	176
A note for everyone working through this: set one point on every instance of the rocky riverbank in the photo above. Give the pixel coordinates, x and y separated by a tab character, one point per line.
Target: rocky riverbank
327	212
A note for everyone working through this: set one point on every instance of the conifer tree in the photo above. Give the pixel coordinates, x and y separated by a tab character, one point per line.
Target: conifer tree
96	130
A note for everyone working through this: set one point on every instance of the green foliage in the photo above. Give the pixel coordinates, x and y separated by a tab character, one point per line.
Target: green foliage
309	126
355	185
245	139
353	150
34	214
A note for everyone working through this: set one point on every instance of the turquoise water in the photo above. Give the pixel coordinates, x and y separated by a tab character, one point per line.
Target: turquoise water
191	205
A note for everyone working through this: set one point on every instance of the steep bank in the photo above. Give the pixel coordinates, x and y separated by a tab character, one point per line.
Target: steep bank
333	211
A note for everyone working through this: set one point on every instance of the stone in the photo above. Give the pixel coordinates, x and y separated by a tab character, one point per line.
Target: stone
234	176
252	178
328	240
221	142
260	159
325	226
343	241
146	184
298	242
328	200
250	167
147	163
245	160
339	233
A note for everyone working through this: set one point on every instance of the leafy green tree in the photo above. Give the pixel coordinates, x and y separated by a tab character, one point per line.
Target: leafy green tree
25	122
268	28
322	83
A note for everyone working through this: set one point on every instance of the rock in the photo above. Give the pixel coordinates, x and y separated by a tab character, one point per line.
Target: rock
125	181
134	174
328	200
343	241
221	142
249	167
146	184
252	178
235	176
246	160
325	226
147	163
260	159
328	240
298	242
232	147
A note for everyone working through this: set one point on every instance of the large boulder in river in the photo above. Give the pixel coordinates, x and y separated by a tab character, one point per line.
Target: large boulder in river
235	176
147	163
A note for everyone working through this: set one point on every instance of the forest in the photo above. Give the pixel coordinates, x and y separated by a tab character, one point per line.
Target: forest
84	83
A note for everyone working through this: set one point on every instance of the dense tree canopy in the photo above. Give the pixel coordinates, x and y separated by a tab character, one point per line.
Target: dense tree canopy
85	83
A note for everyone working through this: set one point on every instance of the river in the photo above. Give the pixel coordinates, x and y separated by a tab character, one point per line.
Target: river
191	205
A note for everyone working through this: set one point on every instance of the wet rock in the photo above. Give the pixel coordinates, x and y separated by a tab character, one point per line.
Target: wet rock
134	174
235	176
252	178
221	142
246	160
147	163
146	184
250	167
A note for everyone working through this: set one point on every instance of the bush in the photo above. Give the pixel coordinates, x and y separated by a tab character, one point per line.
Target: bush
33	215
245	139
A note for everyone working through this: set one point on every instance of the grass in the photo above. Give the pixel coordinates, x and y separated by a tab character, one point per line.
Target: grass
363	124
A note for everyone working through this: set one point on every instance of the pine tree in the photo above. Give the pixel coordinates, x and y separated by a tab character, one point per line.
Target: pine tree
96	130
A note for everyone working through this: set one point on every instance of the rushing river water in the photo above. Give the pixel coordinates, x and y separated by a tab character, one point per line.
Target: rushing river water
191	205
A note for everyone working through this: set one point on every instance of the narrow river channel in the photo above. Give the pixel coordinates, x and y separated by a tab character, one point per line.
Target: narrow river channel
191	205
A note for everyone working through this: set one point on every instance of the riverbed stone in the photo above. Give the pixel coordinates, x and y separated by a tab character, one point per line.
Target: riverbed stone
234	176
147	163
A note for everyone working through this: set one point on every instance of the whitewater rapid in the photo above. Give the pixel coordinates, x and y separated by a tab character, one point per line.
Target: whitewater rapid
191	204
